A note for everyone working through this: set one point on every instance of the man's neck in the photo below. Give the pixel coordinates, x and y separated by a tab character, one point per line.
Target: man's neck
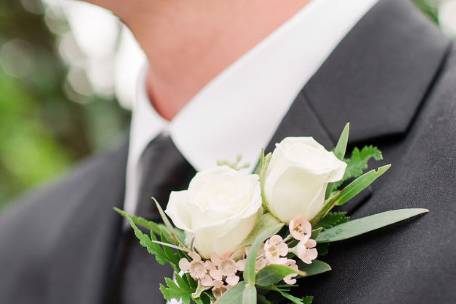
188	43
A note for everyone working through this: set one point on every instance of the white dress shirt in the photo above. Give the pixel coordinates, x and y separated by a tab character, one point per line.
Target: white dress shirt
238	112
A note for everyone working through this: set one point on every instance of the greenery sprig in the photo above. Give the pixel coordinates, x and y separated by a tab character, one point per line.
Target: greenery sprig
265	283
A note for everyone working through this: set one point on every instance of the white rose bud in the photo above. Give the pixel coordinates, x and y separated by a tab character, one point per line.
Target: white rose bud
297	177
218	210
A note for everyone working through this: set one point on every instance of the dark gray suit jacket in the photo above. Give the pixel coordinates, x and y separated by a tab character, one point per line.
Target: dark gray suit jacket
393	77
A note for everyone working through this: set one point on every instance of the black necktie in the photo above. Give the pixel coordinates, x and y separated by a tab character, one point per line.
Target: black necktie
164	169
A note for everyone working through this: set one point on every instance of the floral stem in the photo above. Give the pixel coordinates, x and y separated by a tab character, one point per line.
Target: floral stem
171	246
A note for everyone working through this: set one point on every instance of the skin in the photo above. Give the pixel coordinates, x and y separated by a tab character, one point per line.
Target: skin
189	42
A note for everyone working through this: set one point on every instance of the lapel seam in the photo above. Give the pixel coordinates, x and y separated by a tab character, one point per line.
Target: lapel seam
314	112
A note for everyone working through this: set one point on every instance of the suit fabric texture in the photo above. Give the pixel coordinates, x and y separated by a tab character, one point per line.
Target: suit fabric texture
393	77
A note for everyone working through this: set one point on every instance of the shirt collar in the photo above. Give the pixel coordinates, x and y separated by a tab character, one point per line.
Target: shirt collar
238	112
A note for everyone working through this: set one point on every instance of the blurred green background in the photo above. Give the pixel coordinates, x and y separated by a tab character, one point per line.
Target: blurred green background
46	125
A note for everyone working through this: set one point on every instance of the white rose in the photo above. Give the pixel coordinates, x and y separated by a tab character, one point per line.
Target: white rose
447	17
218	210
297	177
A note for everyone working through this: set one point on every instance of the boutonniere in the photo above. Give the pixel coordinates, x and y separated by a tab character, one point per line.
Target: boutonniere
235	237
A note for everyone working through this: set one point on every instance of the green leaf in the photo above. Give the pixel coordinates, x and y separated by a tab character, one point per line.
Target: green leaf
177	289
307	300
249	296
339	151
264	222
367	224
317	267
199	290
234	295
357	164
349	192
172	256
171	246
205	298
249	273
341	146
333	219
159	253
236	165
263	164
273	274
263	300
163	216
293	299
359	160
316	232
146	242
359	184
262	170
142	222
173	231
154	246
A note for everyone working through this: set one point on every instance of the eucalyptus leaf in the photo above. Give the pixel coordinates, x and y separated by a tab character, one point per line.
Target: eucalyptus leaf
317	267
359	184
349	192
366	224
249	272
332	219
293	299
234	295
249	296
316	232
339	151
341	146
273	274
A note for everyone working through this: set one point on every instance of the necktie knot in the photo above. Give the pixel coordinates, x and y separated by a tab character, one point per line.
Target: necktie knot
163	169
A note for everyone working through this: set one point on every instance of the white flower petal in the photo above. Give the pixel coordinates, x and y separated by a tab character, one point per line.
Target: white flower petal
297	177
179	211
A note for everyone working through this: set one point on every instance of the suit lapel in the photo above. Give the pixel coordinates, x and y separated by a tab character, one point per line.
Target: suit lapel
379	74
376	79
82	259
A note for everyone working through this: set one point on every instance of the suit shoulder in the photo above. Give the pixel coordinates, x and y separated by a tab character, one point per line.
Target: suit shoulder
37	215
